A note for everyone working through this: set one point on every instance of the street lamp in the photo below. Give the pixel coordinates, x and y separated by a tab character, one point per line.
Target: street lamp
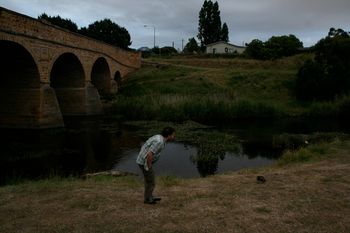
154	34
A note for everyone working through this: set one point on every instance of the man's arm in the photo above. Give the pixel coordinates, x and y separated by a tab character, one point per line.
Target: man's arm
149	159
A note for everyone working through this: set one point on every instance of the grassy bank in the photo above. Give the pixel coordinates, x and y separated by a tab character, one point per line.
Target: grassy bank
218	89
300	195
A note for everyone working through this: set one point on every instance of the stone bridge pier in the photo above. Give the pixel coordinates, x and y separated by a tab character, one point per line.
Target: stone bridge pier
47	72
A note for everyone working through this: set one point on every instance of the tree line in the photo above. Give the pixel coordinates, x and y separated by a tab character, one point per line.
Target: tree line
104	30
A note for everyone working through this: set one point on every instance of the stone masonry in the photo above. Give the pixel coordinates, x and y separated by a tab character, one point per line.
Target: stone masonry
47	72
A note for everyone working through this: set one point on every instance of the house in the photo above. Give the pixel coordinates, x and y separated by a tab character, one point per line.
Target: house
222	47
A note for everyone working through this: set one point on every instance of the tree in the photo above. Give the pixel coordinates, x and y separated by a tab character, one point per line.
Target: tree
109	32
224	33
168	50
282	46
255	49
191	46
215	26
58	21
328	75
209	25
273	48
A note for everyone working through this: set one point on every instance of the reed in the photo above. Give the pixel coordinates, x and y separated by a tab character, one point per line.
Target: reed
187	107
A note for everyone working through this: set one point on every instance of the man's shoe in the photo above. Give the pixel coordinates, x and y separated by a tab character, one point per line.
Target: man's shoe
157	198
150	202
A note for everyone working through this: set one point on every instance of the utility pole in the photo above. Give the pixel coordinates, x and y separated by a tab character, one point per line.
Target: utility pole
154	34
182	44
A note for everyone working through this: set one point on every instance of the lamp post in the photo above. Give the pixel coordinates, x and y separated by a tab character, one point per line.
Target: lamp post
154	34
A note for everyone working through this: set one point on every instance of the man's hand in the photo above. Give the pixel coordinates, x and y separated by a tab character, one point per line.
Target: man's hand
149	159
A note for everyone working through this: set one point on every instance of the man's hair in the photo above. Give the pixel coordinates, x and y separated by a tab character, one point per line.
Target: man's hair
167	131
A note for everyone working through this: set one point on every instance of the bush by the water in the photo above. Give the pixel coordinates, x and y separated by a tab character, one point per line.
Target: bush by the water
328	75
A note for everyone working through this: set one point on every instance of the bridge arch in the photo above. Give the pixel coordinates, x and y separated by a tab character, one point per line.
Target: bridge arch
18	67
67	71
19	86
101	76
67	78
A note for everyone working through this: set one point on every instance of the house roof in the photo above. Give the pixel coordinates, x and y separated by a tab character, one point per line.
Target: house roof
224	42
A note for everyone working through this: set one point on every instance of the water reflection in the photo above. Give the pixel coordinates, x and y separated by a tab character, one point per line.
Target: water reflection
188	161
92	145
207	159
83	147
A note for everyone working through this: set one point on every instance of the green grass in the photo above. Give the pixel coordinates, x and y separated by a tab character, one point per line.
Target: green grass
169	181
210	107
218	89
213	89
310	153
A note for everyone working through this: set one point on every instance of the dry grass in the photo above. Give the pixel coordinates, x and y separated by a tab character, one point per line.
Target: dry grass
309	197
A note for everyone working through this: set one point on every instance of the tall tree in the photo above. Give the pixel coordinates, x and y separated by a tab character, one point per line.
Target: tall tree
109	32
209	25
215	23
203	27
224	33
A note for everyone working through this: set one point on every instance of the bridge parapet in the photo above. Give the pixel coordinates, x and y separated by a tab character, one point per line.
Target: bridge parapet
13	22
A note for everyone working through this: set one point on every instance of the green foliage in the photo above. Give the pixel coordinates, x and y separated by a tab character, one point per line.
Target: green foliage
109	32
191	46
312	83
169	181
329	109
275	47
58	21
167	50
189	107
104	30
311	153
255	49
209	26
328	75
224	33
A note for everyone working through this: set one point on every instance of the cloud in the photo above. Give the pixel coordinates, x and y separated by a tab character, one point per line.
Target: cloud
309	20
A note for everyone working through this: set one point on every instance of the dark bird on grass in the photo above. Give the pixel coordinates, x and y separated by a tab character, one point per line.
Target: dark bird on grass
260	179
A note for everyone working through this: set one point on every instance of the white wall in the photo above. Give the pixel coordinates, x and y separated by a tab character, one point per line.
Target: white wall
221	48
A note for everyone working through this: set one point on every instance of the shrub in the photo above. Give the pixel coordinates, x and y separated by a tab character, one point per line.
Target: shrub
328	75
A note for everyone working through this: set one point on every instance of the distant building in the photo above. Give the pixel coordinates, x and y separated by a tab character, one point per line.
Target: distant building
222	47
145	51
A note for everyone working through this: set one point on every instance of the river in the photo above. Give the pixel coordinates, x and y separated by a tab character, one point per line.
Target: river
88	145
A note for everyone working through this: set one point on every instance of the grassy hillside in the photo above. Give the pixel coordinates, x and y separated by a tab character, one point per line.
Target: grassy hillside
212	89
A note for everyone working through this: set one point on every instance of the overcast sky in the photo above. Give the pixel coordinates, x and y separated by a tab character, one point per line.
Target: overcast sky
177	20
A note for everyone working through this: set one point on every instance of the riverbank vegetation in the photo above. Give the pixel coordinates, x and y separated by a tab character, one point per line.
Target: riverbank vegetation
218	89
302	195
211	89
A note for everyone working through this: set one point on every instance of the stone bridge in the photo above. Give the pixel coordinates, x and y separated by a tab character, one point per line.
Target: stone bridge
47	72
